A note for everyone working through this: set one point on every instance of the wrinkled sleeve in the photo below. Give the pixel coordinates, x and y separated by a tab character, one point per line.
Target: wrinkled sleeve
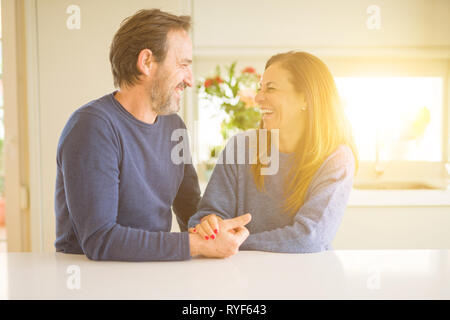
186	202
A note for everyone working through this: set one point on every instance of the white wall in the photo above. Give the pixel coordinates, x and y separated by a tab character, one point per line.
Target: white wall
323	23
72	68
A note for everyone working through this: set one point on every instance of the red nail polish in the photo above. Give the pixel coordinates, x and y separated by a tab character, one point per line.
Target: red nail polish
195	230
206	237
213	237
215	231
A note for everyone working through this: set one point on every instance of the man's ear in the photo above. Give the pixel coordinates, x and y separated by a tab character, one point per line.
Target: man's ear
145	62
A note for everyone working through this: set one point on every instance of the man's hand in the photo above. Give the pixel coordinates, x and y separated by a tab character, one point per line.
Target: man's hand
227	243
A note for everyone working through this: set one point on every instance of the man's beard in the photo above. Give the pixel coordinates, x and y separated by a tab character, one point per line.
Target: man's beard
162	98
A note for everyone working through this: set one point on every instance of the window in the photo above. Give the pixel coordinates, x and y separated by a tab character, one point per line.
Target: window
209	125
399	110
395	118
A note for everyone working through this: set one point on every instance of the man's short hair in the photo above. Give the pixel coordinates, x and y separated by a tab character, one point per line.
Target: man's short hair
146	29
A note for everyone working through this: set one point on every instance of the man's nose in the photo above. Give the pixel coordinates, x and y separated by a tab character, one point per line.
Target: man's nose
189	78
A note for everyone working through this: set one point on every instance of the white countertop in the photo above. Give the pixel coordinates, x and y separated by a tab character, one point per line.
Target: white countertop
392	198
399	198
345	274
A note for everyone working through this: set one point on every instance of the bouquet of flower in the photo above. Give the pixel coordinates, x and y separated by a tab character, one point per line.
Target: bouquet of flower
235	94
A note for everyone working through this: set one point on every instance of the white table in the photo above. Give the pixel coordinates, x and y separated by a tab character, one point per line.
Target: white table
348	274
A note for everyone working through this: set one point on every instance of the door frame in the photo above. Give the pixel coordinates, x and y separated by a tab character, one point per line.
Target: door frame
19	80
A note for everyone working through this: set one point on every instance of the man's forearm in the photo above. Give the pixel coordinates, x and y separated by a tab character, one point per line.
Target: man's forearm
119	243
195	243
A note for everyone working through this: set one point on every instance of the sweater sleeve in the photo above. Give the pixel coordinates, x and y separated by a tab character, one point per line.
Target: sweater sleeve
317	221
89	157
220	194
188	197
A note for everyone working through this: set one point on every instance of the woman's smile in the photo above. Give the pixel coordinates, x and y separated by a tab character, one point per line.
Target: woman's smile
267	113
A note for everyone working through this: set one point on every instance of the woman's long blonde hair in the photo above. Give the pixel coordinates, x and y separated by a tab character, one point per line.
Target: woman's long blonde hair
326	129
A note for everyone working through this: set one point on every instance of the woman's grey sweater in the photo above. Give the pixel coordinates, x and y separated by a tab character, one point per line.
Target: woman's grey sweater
232	191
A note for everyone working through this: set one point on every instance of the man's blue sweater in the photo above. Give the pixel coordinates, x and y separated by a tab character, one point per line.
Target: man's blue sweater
116	185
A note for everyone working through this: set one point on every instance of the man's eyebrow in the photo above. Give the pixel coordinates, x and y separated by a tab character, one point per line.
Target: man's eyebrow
188	61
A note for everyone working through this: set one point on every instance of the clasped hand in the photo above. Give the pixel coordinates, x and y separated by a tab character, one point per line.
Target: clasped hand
220	238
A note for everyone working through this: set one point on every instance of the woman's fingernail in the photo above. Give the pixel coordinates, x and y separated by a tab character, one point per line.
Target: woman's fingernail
215	231
195	230
206	238
213	237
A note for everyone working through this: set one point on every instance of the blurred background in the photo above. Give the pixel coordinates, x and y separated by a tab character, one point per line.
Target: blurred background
390	60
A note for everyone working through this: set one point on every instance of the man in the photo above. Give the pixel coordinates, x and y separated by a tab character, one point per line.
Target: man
116	181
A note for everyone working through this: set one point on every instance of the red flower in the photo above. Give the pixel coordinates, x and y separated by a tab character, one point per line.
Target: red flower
218	79
208	83
249	70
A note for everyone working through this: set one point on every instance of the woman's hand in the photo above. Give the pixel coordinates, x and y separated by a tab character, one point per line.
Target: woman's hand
208	228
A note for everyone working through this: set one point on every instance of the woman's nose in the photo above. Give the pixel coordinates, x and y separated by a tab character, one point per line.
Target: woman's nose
259	97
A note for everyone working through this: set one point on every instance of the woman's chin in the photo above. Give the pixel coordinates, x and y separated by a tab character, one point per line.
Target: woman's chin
268	126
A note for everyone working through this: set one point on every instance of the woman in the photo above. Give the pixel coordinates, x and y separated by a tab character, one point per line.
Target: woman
300	208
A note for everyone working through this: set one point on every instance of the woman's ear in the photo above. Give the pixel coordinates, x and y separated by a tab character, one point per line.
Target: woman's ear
145	62
302	101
